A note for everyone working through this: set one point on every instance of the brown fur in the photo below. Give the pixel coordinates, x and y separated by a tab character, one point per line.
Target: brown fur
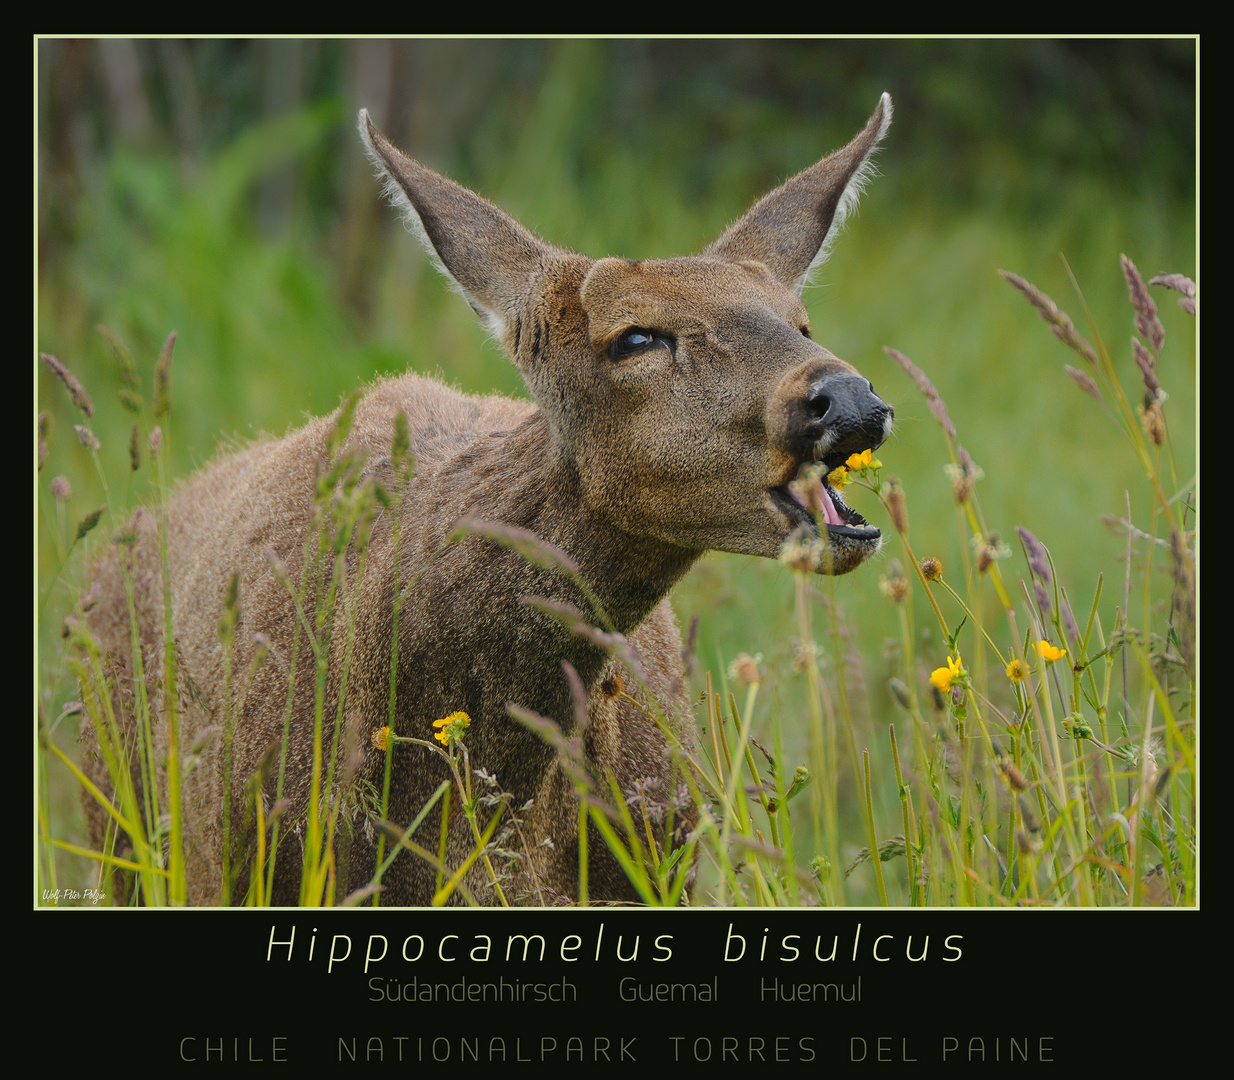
634	462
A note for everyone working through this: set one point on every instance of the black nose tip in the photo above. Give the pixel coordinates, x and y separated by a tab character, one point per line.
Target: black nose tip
844	410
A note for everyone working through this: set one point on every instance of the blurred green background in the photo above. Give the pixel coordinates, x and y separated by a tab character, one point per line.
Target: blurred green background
218	188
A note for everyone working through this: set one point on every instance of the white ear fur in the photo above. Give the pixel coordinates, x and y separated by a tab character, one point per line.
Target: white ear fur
393	192
866	171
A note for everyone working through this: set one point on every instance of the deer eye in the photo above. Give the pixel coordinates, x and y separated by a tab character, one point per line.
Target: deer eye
805	331
637	339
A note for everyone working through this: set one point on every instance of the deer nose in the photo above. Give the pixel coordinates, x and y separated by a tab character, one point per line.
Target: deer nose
844	416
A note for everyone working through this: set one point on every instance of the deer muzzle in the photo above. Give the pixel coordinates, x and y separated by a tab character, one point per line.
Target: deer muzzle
835	415
841	415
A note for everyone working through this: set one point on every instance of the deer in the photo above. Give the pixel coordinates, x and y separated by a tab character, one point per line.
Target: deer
674	405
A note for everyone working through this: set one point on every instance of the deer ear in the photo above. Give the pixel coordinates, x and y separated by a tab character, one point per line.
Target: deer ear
489	257
791	229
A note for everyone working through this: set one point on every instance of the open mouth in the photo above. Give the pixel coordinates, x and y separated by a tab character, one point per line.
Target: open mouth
811	500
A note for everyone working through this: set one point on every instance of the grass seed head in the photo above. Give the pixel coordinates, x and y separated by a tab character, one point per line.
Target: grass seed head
87	523
280	570
1060	322
1144	361
1043	599
1035	552
893	584
1073	631
1084	381
805	654
897	510
1152	421
802	550
964	475
899	691
746	668
135	449
129	534
77	393
128	369
1012	775
130	400
162	378
44	430
231	611
1182	570
988	549
1147	325
937	406
1177	282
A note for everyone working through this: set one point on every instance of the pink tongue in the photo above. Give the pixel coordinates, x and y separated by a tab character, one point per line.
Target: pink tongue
811	493
830	514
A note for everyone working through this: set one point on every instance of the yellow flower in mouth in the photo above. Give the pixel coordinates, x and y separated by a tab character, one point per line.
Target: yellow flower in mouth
942	678
452	727
1050	653
1017	671
864	460
838	477
381	737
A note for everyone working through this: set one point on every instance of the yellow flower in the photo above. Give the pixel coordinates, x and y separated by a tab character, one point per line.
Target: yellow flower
452	727
1049	652
380	737
931	569
838	477
1017	671
942	678
864	460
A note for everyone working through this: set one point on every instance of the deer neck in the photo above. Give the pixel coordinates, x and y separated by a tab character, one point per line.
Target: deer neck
525	479
470	642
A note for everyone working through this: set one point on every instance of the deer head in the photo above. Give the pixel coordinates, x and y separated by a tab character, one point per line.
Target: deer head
685	393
